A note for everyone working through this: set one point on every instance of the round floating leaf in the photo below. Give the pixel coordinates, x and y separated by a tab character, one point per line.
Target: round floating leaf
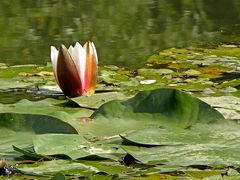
72	145
96	100
37	123
169	106
8	138
229	106
157	108
214	144
60	166
60	144
75	168
154	72
58	109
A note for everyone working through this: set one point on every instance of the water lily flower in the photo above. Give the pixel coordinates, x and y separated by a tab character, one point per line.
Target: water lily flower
75	69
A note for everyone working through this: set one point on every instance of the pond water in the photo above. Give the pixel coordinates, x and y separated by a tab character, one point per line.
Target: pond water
125	32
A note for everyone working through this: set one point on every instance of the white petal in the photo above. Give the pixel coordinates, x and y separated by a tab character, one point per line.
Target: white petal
79	56
54	57
70	49
94	51
149	81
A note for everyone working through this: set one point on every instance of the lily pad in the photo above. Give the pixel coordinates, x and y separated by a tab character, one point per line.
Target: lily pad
229	106
35	123
60	166
157	108
73	146
98	99
60	144
231	83
49	106
215	146
154	72
9	138
75	169
13	71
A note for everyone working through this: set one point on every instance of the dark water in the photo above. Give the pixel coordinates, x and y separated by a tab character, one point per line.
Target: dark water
125	32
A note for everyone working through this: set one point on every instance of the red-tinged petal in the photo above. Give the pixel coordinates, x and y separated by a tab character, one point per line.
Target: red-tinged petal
67	74
91	69
94	52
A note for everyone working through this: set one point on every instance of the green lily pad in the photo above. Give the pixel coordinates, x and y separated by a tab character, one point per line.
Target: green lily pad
231	83
214	144
157	108
47	106
24	75
181	65
10	83
9	138
111	167
158	59
60	166
13	71
202	174
75	169
49	114
28	152
154	72
111	77
35	123
60	144
73	146
229	106
192	72
212	71
18	129
162	136
98	99
182	108
191	84
208	63
186	155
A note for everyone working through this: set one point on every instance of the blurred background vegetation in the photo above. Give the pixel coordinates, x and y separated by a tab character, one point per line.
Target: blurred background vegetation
125	32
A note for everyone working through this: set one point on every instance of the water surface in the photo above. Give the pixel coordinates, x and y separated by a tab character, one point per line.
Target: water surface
125	32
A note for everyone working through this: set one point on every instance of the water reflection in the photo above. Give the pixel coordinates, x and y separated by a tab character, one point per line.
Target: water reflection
125	32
